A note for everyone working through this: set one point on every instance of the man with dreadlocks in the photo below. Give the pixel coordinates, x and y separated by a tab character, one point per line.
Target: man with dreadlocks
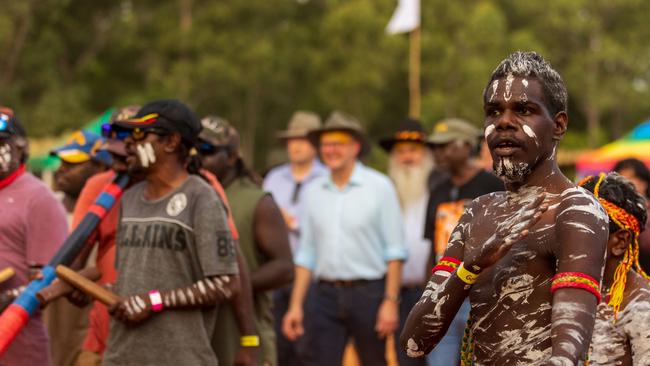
530	258
622	332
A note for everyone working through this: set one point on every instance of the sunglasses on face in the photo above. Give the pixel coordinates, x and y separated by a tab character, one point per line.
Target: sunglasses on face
206	148
138	134
114	133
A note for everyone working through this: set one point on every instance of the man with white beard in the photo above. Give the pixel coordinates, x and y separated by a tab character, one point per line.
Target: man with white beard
409	165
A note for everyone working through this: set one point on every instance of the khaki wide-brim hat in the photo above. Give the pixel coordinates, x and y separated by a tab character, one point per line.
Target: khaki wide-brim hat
299	126
453	129
342	122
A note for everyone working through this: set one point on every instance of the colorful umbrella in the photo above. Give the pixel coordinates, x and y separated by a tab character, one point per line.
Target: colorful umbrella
635	144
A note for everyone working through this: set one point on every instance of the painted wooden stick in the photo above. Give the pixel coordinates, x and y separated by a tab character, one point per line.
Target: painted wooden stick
62	288
87	286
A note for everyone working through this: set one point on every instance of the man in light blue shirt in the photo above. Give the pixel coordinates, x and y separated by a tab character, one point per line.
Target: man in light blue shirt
287	184
352	245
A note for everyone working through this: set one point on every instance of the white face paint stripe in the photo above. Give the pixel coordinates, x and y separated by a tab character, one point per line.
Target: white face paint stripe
489	130
507	94
495	85
151	154
142	155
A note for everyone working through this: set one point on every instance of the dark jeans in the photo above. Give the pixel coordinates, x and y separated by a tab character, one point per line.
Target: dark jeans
337	313
410	295
289	353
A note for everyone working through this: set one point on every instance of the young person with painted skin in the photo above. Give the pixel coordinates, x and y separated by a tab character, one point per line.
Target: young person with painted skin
531	258
622	333
32	227
287	184
175	255
104	236
352	246
81	158
263	238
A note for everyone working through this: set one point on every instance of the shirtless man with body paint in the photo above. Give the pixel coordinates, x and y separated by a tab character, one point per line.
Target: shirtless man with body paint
622	333
512	244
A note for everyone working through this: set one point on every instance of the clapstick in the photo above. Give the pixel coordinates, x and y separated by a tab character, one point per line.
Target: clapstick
6	274
62	288
87	286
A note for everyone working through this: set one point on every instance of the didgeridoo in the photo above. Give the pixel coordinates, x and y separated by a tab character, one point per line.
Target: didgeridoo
14	319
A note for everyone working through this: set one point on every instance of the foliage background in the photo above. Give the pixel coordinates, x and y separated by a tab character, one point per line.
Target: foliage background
256	61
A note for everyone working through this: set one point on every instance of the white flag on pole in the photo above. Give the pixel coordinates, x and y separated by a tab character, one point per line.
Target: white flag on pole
405	18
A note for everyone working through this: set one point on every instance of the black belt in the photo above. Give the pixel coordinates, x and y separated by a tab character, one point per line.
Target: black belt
345	283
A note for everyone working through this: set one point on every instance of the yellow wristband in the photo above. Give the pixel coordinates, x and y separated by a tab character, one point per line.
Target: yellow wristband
465	275
250	341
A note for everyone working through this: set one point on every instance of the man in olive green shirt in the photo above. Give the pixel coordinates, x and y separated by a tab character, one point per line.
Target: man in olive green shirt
263	238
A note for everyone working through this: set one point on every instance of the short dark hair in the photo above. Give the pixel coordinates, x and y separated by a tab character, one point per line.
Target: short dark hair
532	64
621	192
639	168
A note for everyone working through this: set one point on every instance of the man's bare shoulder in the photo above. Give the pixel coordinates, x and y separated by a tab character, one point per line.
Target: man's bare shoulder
576	200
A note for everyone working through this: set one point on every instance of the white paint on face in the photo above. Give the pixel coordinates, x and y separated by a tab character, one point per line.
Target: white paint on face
489	130
5	157
495	85
146	154
509	171
530	133
507	94
524	97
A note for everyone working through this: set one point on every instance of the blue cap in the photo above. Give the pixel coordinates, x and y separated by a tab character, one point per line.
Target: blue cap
81	147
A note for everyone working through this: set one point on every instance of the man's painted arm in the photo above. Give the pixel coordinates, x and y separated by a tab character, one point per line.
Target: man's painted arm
444	294
582	232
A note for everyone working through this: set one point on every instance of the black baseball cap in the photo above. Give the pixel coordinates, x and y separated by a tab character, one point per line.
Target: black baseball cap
10	124
169	115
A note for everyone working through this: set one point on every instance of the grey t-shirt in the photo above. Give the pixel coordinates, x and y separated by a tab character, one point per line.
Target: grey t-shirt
165	244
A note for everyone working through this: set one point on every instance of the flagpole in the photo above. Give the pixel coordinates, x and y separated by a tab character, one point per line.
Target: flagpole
414	74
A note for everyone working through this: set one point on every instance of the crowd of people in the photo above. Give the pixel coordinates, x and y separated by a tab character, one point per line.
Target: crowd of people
455	261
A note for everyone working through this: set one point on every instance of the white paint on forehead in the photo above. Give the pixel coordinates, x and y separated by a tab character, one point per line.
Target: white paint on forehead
489	130
507	94
495	85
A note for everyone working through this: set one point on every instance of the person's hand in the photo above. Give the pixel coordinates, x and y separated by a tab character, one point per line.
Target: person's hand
246	356
78	298
132	310
500	234
289	220
292	325
387	318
